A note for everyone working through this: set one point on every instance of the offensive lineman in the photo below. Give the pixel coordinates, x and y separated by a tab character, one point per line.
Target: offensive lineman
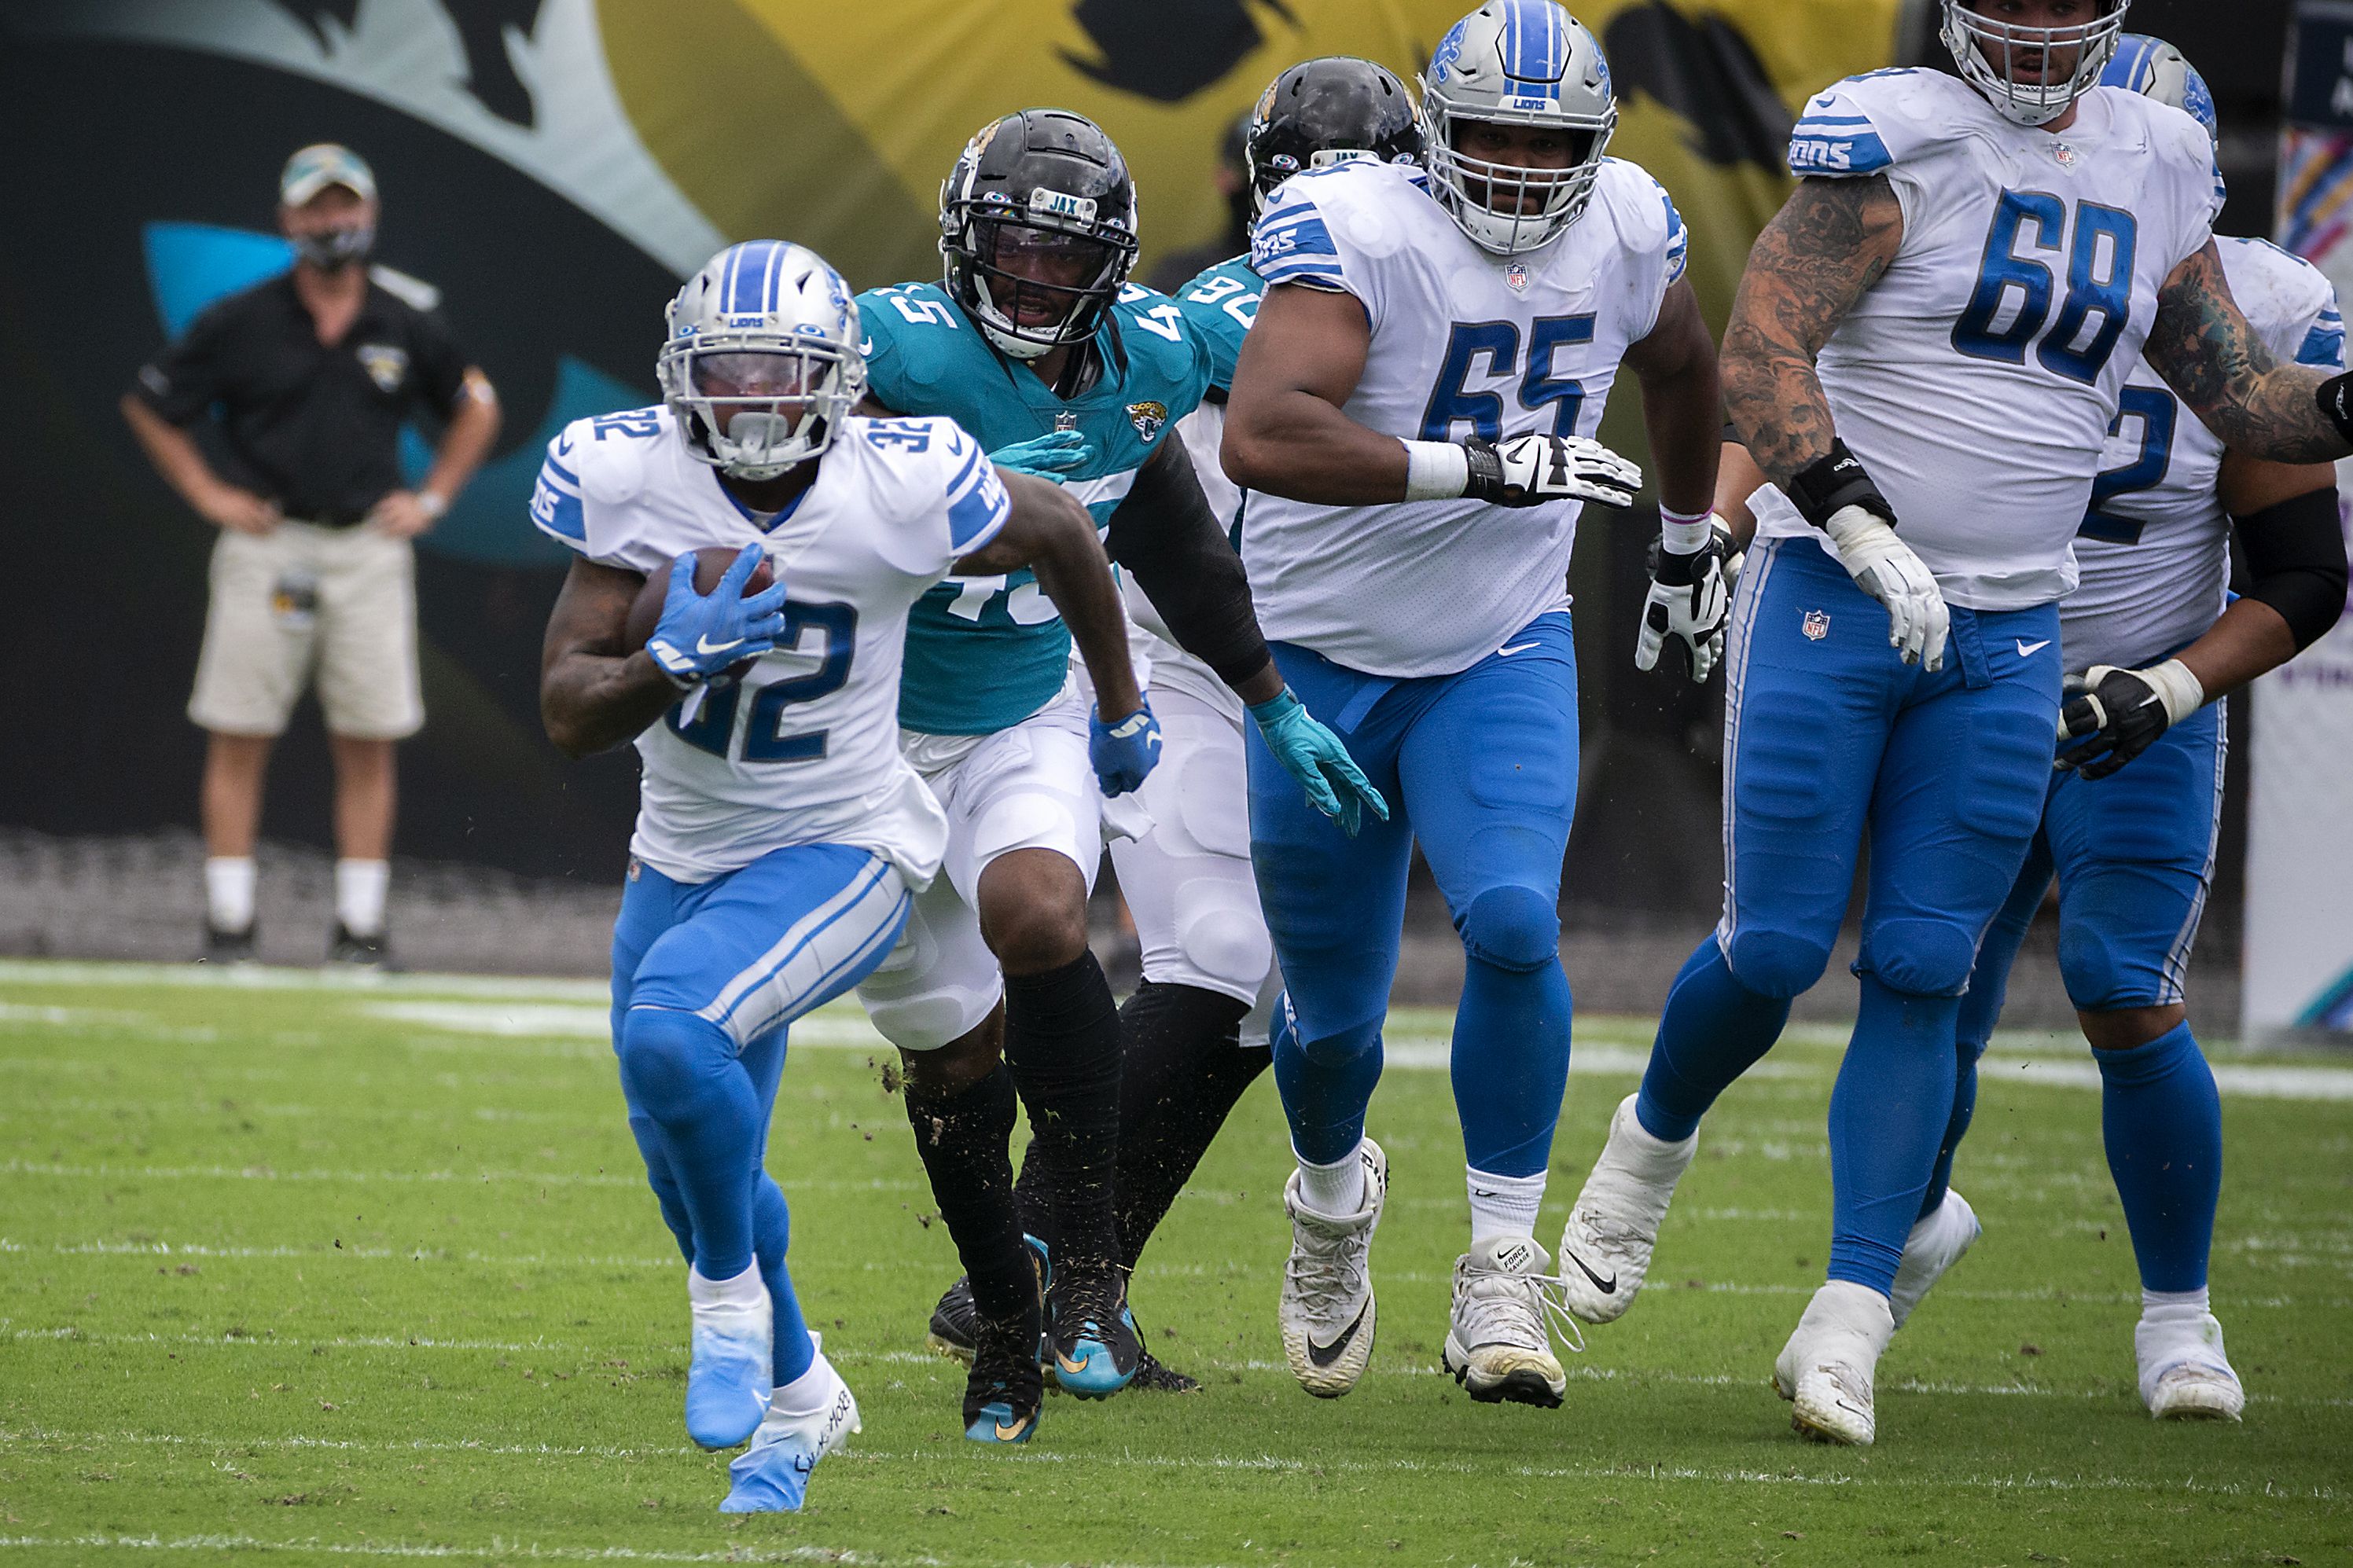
1413	414
1037	343
780	837
1975	379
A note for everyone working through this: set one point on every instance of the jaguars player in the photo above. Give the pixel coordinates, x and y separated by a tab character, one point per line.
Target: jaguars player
1035	342
780	837
1929	345
1411	415
2156	649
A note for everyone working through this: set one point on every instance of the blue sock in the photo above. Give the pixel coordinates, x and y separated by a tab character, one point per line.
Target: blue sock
1326	1085
681	1072
2163	1125
1888	1114
772	1224
1510	1064
1957	1126
1714	1029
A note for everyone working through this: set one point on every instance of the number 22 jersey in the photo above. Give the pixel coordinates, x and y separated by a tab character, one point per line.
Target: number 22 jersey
805	748
1977	378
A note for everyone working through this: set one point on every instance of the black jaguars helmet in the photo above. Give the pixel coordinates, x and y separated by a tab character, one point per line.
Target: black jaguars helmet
1323	111
1038	229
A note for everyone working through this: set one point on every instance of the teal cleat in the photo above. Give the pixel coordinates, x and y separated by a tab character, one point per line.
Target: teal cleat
772	1475
728	1375
1007	1387
1093	1340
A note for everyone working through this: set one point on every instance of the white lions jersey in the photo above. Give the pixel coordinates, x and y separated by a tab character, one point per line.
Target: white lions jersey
805	748
2155	550
1978	377
1463	343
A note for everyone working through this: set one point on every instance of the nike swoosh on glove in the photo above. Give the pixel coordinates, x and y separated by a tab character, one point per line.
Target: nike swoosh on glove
1311	754
1047	456
1534	470
2118	714
702	634
1124	753
1689	601
1884	567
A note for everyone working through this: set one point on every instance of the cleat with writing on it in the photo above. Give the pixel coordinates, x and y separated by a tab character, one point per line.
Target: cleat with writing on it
1826	1369
1935	1245
1498	1344
1327	1309
1007	1387
1604	1249
727	1376
1091	1331
772	1475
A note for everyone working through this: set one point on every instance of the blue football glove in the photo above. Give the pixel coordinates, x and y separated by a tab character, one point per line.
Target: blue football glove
1046	456
703	635
1123	753
1311	754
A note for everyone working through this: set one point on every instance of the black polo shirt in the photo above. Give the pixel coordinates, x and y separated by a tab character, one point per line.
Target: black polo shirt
315	429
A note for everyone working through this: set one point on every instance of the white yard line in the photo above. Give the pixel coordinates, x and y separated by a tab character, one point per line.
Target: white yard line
501	1551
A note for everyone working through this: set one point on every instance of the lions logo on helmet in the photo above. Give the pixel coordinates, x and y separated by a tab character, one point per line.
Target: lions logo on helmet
761	363
2155	68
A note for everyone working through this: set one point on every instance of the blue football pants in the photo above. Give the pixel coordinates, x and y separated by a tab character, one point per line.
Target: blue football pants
707	977
1480	767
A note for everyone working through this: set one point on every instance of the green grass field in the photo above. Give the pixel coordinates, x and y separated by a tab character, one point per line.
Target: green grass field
316	1271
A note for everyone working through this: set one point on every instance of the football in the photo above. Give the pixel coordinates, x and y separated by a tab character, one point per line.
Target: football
711	564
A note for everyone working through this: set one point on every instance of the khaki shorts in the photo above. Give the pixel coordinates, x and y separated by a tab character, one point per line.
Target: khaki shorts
339	602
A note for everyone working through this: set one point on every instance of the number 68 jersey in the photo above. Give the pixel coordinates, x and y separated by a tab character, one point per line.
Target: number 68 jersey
805	748
1977	378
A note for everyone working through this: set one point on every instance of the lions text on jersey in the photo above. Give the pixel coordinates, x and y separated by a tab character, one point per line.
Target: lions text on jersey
985	653
805	748
1977	379
2155	550
1463	342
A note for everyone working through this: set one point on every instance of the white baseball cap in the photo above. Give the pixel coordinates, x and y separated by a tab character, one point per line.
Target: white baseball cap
320	164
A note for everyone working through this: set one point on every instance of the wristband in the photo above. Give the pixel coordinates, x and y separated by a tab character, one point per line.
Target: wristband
1685	533
2176	687
1831	484
2335	397
1435	471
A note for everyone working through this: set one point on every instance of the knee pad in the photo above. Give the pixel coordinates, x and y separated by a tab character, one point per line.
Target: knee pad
665	1054
2099	978
1513	927
1226	948
1920	958
1774	963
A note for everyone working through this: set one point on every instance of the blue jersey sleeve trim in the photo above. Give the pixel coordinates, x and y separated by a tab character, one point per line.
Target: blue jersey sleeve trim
1848	154
978	506
1678	241
2323	345
1288	237
560	514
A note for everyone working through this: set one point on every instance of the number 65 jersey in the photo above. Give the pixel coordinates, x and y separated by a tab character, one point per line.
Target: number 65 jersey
805	748
1978	377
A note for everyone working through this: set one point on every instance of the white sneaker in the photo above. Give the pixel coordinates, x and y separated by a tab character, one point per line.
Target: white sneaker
1614	1224
1327	1284
728	1369
2184	1374
1935	1245
1497	1345
1825	1370
772	1475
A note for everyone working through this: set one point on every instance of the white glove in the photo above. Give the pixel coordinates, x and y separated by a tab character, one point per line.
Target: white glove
1690	600
1532	470
1884	567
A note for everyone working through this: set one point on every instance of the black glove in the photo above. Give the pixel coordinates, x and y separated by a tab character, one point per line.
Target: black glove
2118	714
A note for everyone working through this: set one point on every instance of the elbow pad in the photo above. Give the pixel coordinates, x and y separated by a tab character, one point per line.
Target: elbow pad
2295	551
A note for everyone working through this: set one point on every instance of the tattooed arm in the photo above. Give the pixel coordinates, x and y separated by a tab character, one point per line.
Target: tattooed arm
1831	242
2206	352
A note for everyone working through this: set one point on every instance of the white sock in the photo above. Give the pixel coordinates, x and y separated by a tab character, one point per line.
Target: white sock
1502	1205
805	1395
743	1289
359	895
2174	1306
1336	1191
228	892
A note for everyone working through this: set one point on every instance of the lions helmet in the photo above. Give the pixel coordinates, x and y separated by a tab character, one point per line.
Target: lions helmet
1517	62
1324	111
2014	66
760	363
1037	230
2157	70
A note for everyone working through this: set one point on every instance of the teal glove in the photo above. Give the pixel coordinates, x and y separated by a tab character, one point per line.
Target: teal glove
1315	756
1046	456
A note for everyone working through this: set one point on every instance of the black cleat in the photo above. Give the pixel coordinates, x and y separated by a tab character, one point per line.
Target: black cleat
1007	1385
229	946
956	1322
1091	1332
1154	1376
362	951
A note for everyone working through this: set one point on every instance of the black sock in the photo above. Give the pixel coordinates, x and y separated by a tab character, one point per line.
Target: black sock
962	1139
1184	1072
1062	1043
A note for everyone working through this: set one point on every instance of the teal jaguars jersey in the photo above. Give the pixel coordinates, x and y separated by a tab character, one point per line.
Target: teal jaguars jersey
985	653
1219	304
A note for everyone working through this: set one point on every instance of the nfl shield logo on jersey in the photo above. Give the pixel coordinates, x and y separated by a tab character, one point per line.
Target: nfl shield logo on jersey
1147	417
1817	625
385	365
1517	276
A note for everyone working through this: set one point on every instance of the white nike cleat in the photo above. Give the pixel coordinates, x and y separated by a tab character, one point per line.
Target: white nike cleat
1606	1248
772	1475
1327	1284
728	1368
2184	1374
1497	1344
1935	1245
1825	1370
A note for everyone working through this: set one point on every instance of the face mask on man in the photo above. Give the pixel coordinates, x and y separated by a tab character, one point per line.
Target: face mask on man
333	250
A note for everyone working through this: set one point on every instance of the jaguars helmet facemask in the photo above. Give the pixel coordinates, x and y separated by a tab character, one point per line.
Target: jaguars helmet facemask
2013	66
1324	111
761	362
2155	68
1517	62
1037	230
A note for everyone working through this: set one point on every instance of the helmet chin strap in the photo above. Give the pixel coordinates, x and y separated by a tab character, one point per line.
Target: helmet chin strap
759	432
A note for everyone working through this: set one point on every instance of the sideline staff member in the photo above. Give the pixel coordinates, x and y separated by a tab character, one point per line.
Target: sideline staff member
314	372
